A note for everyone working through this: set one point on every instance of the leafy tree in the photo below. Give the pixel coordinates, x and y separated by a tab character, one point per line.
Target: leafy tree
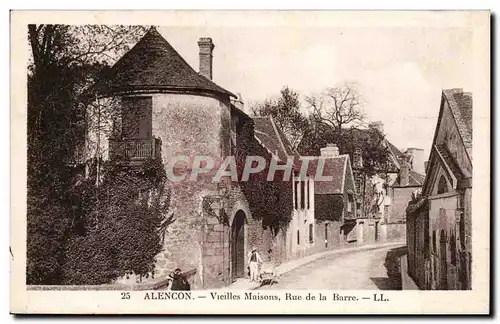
64	61
369	142
286	113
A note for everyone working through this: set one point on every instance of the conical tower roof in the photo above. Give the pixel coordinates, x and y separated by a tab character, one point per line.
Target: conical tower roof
153	64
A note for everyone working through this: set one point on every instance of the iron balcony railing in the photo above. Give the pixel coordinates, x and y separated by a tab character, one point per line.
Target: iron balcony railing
134	149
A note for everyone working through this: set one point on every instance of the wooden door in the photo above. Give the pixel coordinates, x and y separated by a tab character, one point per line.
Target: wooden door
238	245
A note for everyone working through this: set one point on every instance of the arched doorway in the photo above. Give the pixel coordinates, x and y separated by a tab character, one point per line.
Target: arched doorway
238	245
443	268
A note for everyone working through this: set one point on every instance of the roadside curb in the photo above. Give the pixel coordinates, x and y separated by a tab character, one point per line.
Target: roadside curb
294	264
407	283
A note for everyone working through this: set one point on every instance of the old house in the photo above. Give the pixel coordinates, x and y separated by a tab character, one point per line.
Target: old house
335	210
392	188
383	189
298	239
399	193
167	110
439	231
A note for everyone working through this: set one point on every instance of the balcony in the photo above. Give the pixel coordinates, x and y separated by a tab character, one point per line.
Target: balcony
134	150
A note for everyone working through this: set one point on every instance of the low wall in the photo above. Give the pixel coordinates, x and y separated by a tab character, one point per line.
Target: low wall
406	282
394	231
156	284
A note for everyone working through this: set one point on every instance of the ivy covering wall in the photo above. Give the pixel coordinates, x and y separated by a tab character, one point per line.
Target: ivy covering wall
121	232
269	201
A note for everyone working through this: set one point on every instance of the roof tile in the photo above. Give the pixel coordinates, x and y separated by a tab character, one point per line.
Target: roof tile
461	108
154	64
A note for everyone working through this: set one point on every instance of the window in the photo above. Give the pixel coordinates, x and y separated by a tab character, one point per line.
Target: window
298	237
434	249
302	194
326	235
311	235
295	184
442	185
137	117
453	248
308	198
350	202
462	231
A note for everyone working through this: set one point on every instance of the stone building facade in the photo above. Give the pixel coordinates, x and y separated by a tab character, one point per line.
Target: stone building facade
168	110
439	239
394	186
335	202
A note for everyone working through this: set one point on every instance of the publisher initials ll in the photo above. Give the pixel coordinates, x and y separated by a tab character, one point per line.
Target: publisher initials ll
379	297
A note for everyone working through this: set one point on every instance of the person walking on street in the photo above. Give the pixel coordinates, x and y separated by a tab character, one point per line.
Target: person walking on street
254	261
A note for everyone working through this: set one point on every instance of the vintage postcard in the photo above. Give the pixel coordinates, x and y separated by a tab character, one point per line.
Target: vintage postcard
259	162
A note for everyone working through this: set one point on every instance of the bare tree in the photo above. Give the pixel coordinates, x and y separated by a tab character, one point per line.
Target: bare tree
338	107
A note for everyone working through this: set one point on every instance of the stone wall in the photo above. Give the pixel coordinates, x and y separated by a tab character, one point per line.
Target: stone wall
369	231
400	197
393	231
329	238
417	239
216	258
191	125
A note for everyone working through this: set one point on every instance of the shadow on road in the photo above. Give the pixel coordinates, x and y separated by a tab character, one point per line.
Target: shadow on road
392	264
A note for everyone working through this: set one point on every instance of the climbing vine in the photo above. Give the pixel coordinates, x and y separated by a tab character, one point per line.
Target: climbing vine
269	201
124	226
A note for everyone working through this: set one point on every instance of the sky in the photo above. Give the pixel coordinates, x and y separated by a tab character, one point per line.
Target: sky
400	71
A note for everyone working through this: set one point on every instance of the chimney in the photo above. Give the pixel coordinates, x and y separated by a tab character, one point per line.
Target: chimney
418	159
330	151
357	158
378	125
206	49
404	172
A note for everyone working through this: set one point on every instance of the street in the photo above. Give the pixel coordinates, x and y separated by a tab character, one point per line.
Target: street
376	269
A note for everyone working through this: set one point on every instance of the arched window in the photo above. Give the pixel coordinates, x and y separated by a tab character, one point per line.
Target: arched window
442	185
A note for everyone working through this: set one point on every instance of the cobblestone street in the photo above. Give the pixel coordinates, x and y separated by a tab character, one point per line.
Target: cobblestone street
376	269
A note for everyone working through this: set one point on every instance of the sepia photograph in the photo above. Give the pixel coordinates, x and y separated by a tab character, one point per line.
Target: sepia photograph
251	160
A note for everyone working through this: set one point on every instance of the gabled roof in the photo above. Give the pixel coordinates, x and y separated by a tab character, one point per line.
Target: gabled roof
272	138
460	104
397	155
153	64
449	161
461	109
335	167
441	155
415	179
